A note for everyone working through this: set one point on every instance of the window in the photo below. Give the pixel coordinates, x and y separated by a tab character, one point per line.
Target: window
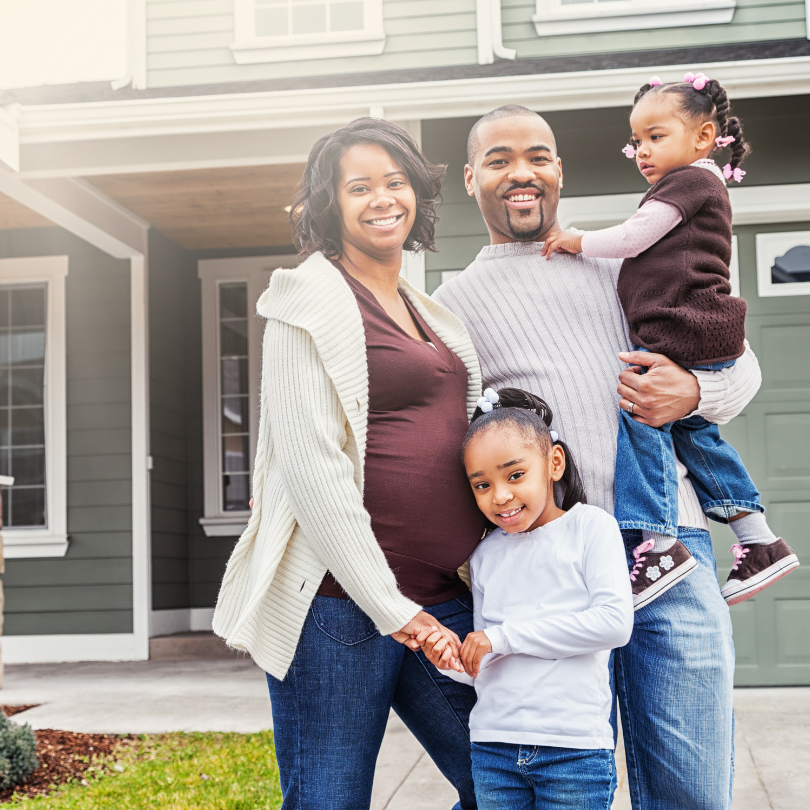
231	338
32	405
22	403
560	17
783	263
287	30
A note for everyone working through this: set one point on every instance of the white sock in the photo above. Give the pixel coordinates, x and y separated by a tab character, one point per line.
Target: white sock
663	542
753	530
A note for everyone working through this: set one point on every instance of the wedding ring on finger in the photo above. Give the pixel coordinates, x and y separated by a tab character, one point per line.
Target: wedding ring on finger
630	407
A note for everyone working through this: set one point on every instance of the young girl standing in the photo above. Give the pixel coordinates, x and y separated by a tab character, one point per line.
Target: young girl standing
674	289
551	598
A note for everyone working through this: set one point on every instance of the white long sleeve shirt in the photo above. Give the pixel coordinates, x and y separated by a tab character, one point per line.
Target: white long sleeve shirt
553	603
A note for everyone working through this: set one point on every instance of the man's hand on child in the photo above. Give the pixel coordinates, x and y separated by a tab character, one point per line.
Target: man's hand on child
476	646
563	242
440	649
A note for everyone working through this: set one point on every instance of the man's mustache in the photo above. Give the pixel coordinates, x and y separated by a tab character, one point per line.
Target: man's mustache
518	186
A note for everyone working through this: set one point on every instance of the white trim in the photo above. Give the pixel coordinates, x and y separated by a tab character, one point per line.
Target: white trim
250	49
769	246
6	480
734	267
70	648
750	205
141	501
255	272
413	269
552	18
182	620
50	541
490	32
137	44
406	101
10	138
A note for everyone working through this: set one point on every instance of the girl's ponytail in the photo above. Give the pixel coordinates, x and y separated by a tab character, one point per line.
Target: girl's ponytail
701	99
532	416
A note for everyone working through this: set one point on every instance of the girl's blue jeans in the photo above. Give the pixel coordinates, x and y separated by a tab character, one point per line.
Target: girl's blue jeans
647	480
535	777
331	709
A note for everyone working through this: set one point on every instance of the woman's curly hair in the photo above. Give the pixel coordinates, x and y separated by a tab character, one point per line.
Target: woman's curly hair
315	223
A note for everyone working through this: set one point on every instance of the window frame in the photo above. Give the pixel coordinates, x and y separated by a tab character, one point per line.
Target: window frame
51	540
255	271
552	18
248	48
769	246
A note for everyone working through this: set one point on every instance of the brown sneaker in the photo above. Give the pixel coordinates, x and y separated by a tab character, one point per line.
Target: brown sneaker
756	567
654	574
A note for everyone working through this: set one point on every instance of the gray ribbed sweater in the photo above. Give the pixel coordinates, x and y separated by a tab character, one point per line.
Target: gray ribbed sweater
554	327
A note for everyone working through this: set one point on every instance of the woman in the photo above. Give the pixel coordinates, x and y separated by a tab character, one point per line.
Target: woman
362	511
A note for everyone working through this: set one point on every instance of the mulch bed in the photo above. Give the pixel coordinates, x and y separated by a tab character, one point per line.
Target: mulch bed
64	756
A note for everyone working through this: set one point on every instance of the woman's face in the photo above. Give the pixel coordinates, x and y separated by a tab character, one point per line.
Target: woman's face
376	201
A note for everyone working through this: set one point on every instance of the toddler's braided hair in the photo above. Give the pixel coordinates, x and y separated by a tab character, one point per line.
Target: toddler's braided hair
709	104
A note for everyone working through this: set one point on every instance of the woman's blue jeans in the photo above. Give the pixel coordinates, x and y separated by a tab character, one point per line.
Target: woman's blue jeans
331	709
536	777
674	681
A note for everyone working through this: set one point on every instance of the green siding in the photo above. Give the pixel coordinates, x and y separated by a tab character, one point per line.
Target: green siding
753	21
90	589
172	279
189	42
589	143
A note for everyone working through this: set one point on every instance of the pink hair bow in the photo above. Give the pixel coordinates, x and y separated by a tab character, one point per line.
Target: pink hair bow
730	173
697	80
722	142
629	151
655	81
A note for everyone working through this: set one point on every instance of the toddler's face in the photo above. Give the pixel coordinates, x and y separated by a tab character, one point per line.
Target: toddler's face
513	479
664	139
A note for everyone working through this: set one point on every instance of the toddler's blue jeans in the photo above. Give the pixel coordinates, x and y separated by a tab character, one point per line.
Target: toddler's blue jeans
647	480
509	776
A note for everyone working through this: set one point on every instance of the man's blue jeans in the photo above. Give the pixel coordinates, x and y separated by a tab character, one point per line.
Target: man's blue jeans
331	709
647	480
535	777
674	683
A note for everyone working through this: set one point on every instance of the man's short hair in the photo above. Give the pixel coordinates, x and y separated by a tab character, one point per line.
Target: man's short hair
507	111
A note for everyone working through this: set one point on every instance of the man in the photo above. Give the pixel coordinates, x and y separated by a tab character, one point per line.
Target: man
555	327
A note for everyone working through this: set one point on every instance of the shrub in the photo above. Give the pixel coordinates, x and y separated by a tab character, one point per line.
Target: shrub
18	757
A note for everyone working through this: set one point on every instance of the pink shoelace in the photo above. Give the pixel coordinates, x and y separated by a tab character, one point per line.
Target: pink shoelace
739	552
646	546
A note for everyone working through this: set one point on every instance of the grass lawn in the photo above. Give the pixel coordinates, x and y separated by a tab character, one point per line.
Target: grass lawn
178	772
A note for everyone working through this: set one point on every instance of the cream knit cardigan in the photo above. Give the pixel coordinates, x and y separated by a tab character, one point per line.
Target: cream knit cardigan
308	515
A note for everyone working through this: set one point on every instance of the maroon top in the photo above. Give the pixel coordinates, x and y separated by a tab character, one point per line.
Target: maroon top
676	294
423	511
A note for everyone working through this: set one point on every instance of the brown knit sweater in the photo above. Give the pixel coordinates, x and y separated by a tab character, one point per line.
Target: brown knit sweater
676	294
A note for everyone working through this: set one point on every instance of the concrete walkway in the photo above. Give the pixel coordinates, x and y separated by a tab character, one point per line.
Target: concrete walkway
772	731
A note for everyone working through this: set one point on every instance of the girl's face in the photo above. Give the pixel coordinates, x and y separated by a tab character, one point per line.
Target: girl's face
376	201
664	139
513	480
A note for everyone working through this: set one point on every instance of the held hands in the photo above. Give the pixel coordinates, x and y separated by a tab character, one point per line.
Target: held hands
423	625
562	241
437	651
666	393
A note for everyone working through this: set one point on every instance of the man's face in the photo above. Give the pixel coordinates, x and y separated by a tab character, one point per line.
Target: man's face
516	179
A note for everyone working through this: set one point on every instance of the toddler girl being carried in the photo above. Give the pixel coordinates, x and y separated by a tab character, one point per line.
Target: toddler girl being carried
674	289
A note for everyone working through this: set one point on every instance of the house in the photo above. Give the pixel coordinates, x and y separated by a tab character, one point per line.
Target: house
139	223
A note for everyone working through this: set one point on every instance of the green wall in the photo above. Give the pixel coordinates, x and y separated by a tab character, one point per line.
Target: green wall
90	589
187	566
